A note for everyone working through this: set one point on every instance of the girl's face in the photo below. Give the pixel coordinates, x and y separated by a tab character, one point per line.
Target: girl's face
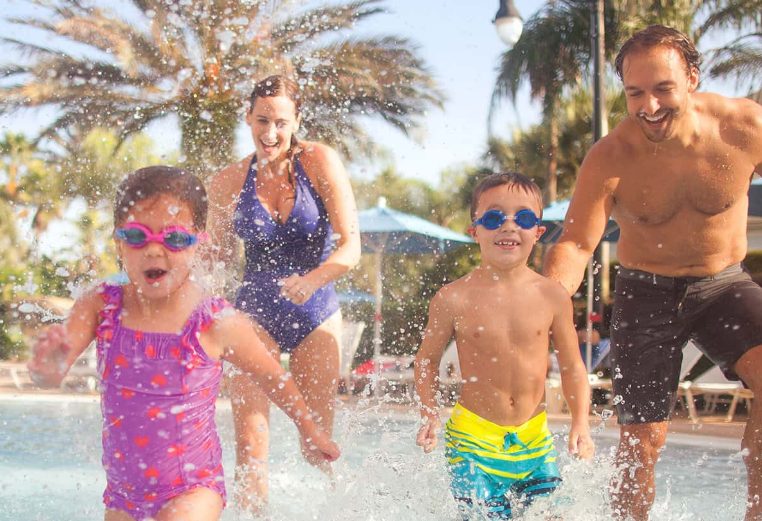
155	270
509	245
273	120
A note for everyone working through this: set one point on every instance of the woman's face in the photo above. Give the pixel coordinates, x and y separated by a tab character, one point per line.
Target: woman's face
273	120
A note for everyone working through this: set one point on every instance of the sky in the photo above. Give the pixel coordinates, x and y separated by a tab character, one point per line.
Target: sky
458	42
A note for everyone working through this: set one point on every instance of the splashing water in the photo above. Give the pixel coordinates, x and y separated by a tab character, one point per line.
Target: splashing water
382	475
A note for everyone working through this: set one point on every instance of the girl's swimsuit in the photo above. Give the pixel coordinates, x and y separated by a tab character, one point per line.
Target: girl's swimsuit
274	251
158	393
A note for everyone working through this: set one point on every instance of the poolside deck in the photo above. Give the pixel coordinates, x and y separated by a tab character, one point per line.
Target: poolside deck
14	381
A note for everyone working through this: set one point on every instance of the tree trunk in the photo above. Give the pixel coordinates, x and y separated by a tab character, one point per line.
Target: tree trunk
551	182
208	135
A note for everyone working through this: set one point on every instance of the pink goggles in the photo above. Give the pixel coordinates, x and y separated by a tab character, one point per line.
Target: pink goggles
174	238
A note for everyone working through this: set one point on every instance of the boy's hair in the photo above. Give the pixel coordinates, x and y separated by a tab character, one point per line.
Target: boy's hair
513	179
153	181
659	35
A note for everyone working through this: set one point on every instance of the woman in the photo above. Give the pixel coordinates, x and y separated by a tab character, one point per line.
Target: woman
289	202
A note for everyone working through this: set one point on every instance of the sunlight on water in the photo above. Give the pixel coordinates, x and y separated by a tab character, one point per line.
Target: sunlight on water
50	470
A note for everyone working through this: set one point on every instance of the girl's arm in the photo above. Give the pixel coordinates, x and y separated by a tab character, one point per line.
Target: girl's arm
439	331
574	380
237	342
325	169
57	347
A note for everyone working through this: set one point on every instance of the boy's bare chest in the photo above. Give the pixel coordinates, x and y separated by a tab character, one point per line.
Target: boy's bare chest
501	322
653	189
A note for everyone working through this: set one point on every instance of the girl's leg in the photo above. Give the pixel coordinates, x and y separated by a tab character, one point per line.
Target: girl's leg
251	417
315	367
199	504
117	515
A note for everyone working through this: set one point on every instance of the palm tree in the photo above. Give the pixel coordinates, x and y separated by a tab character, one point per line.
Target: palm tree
552	55
198	61
741	58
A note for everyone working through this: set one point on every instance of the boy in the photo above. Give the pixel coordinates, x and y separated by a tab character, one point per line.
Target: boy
498	446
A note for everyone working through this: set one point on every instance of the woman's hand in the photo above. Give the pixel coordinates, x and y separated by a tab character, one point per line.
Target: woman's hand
298	288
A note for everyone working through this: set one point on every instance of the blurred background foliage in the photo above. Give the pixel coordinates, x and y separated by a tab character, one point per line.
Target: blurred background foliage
200	69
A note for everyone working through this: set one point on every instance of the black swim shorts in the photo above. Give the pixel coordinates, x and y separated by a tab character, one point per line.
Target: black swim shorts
653	318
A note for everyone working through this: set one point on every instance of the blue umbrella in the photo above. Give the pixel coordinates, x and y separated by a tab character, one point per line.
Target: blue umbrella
384	230
553	219
355	296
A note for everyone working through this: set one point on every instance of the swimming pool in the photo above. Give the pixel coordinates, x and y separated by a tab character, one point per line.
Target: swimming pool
50	470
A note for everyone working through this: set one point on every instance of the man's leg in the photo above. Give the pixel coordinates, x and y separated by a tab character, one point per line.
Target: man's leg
749	368
633	487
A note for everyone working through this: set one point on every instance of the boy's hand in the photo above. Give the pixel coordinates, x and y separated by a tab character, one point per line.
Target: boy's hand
427	434
47	367
581	443
319	449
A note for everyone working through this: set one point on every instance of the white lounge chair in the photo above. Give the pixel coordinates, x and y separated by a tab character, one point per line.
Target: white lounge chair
711	384
83	374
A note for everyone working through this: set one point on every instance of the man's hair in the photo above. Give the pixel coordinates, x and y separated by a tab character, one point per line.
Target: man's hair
153	181
514	180
659	35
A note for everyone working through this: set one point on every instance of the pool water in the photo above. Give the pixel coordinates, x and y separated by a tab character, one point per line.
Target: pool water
50	470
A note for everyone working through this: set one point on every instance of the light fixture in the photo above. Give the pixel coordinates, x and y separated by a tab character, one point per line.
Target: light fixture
508	23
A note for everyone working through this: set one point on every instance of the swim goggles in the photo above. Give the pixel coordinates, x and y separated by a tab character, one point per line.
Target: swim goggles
494	219
174	238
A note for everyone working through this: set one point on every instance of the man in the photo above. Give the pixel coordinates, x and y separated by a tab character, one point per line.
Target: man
675	176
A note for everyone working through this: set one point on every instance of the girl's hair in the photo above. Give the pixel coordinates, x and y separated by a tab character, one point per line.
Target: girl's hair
153	181
659	35
279	85
514	180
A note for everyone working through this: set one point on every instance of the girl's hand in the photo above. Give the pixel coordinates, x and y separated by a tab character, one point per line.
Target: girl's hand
319	450
581	443
427	435
48	366
298	289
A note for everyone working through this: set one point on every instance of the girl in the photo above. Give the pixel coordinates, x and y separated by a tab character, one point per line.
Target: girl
292	205
160	342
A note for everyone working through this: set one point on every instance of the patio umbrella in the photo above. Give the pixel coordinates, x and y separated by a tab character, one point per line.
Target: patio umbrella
384	230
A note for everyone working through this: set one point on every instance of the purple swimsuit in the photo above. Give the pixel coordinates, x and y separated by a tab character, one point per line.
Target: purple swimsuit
158	394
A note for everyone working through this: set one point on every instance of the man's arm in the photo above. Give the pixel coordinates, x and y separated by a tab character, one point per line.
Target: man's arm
585	221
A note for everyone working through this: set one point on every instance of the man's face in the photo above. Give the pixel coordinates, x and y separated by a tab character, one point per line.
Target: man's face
657	85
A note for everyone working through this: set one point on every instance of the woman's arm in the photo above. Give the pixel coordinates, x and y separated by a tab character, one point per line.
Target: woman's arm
326	171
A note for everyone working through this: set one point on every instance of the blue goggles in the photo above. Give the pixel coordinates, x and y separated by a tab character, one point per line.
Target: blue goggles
494	219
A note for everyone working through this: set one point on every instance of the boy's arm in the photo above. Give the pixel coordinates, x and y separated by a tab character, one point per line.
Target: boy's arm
236	336
439	330
57	347
574	382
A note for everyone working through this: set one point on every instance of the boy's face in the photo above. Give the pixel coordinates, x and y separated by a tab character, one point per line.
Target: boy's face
509	245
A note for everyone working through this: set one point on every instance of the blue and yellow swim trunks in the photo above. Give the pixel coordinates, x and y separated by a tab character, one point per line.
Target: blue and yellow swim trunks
491	464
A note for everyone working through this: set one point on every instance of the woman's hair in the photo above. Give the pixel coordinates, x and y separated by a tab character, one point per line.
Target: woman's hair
514	180
153	181
659	35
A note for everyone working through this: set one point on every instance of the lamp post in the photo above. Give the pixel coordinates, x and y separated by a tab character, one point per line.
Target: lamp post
509	25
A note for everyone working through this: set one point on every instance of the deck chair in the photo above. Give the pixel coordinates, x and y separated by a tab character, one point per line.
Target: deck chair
711	384
351	333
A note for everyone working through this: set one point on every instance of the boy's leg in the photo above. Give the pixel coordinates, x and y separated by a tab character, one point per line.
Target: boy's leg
199	504
478	494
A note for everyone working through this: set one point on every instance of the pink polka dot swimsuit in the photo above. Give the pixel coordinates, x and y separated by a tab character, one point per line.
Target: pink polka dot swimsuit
158	394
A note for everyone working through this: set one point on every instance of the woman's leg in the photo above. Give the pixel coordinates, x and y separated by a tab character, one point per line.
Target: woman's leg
314	365
251	417
198	504
117	515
